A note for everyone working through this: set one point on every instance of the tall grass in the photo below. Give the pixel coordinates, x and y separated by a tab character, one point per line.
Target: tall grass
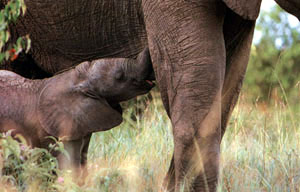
260	152
261	149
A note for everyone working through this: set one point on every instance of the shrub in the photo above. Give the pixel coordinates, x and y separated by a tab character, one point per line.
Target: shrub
273	71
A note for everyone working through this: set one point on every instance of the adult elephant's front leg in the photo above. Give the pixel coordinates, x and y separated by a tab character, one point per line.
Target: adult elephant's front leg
187	48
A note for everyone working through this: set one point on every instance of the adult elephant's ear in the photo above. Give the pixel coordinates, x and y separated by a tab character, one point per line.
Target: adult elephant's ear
68	114
291	6
247	9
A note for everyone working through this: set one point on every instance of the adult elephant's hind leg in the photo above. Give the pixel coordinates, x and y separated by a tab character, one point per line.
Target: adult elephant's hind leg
238	35
188	51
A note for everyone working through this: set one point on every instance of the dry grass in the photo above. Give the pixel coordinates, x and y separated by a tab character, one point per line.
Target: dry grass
260	152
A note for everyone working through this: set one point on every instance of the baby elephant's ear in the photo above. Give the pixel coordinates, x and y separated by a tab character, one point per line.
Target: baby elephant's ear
70	115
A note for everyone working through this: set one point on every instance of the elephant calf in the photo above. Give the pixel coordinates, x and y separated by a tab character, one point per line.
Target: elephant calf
73	104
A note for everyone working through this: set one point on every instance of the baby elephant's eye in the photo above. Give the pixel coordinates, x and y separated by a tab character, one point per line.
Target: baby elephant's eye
119	75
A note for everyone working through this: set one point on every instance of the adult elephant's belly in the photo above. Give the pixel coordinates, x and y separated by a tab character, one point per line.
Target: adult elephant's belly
65	33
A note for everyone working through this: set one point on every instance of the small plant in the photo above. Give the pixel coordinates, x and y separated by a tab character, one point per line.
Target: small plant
27	169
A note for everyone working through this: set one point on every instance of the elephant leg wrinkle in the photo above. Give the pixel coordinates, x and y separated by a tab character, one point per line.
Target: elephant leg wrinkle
188	52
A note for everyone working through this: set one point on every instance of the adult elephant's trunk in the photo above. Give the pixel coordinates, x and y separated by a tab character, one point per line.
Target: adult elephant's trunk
188	53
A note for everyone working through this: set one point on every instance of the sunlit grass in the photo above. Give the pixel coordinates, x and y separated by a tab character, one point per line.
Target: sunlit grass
260	152
138	152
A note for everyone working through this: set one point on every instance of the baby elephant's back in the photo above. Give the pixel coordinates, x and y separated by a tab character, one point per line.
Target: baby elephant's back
10	79
11	87
14	100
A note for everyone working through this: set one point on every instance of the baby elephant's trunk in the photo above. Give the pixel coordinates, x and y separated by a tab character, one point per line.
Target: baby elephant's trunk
142	67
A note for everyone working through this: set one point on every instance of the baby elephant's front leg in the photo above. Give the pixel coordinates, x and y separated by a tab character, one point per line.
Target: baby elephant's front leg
77	157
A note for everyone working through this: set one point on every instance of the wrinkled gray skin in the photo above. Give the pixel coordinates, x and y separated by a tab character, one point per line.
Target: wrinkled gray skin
74	104
199	49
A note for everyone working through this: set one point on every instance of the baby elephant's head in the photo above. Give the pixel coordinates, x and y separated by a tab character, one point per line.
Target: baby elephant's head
86	99
118	79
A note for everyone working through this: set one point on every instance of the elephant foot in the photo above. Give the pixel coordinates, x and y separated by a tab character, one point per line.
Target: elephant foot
169	181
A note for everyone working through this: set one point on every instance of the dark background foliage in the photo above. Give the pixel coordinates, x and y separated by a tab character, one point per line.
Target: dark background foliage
9	14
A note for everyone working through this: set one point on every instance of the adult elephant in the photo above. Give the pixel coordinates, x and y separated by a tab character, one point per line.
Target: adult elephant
199	49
